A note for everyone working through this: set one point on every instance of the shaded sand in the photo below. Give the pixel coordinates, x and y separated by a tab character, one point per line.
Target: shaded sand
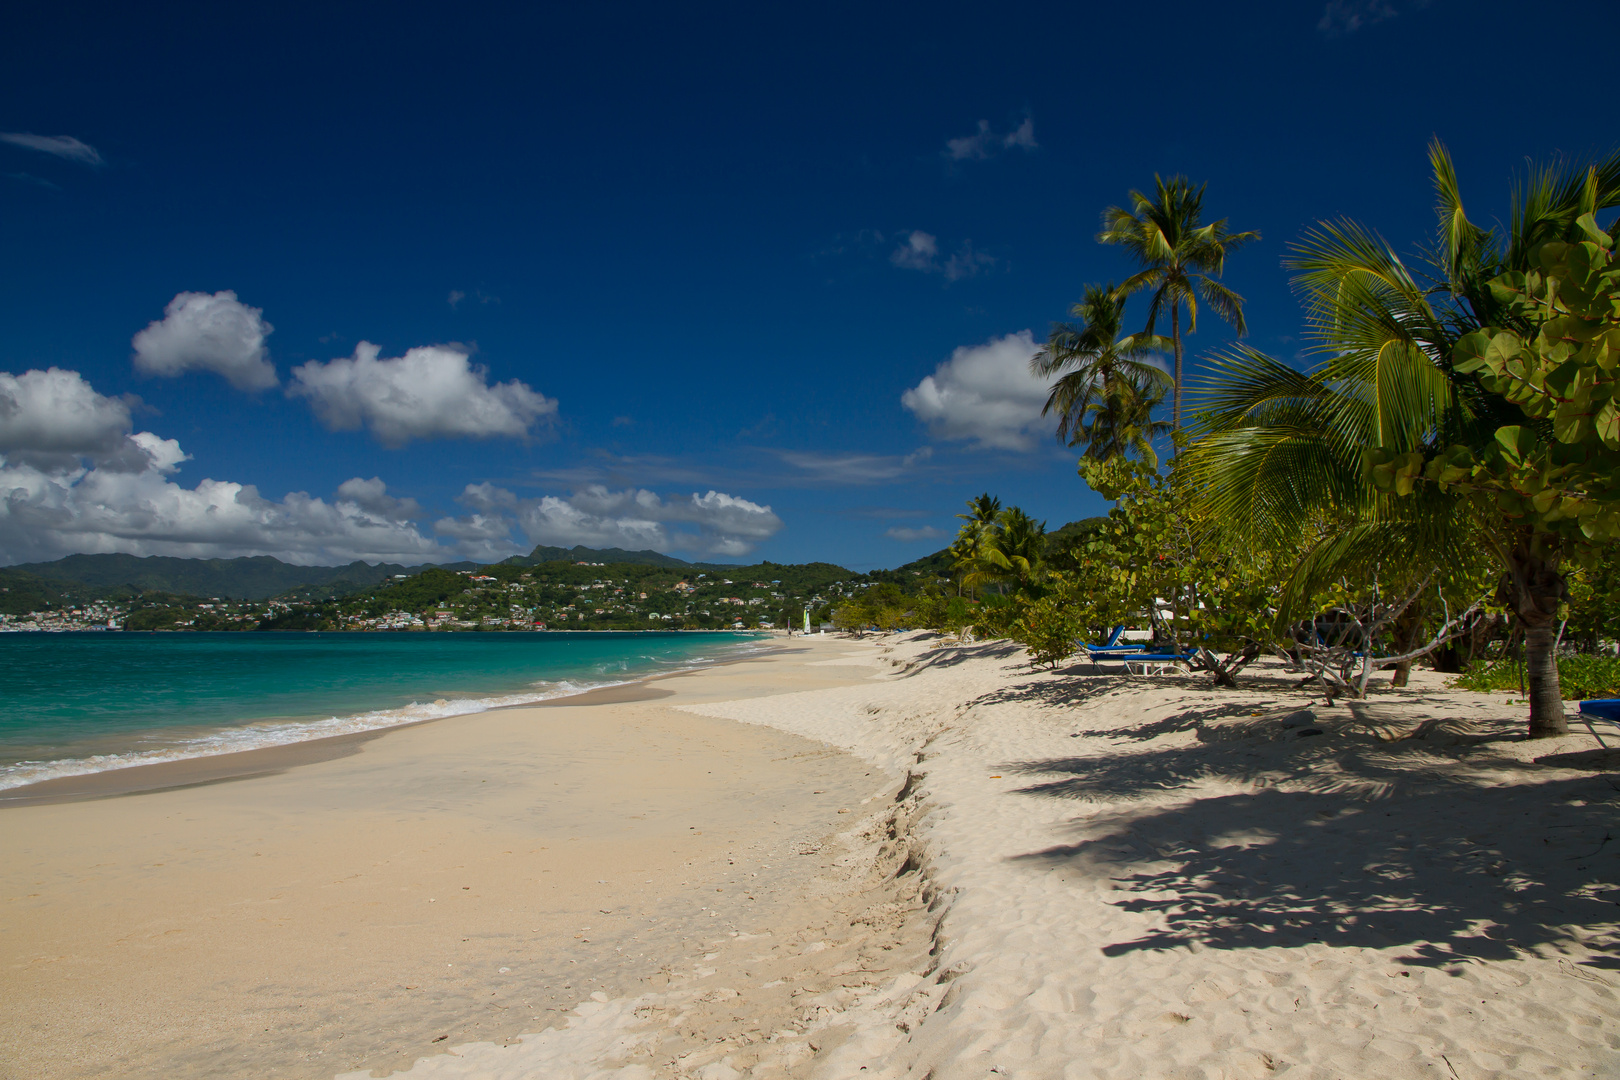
362	905
1140	878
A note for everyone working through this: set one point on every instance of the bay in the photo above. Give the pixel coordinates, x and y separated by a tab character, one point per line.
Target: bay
74	703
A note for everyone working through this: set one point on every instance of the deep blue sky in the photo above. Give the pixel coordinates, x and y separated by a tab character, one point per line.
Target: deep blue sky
681	225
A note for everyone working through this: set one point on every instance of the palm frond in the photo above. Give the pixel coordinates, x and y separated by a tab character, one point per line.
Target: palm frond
1225	302
1465	249
1546	202
1239	387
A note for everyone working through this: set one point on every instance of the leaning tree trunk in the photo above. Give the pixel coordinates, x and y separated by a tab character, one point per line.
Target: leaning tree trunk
1535	589
1407	629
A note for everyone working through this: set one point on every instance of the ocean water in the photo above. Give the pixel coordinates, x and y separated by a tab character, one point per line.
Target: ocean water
77	703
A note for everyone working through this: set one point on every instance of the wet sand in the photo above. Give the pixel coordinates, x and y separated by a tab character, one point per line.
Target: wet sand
265	761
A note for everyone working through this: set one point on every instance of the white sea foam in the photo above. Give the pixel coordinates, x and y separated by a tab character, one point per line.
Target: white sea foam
281	733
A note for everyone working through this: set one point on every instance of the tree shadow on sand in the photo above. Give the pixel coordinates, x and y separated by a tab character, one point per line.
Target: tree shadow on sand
1071	689
1451	857
952	655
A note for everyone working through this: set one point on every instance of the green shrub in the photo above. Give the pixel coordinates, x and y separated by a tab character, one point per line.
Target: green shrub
1580	677
995	617
1047	628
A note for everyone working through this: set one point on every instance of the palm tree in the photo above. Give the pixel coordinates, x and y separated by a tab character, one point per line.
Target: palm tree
1008	552
979	525
1119	421
1096	364
1016	546
1180	259
1286	458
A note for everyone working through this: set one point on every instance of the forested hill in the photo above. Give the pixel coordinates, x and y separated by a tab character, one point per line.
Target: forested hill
249	578
262	577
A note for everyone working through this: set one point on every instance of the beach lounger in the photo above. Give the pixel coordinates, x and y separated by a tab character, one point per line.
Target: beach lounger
1112	642
1600	709
1111	646
1159	663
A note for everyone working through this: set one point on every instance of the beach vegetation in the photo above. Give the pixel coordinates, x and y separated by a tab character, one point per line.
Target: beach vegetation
1461	412
999	549
1441	486
1149	564
1048	627
1180	259
1581	676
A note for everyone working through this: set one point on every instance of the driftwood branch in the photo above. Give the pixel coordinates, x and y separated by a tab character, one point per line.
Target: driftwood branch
1333	663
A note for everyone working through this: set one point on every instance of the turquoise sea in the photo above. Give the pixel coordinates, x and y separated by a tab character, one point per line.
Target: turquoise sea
74	703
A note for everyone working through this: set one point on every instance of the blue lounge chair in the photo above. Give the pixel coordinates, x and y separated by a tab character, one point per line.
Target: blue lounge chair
1113	639
1602	709
1112	645
1160	661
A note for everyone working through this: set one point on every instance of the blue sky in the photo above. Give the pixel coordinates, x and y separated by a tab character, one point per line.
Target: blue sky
651	275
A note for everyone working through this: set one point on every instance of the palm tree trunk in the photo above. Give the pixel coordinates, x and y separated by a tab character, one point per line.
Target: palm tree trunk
1175	337
1537	588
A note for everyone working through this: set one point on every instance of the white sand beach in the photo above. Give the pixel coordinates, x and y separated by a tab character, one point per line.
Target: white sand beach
1006	873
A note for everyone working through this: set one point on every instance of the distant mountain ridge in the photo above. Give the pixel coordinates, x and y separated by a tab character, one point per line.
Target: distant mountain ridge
256	577
581	553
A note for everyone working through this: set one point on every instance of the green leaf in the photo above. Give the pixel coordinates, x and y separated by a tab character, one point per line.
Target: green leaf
1588	224
1481	350
1516	442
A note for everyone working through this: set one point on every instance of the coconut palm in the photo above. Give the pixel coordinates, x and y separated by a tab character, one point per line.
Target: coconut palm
1015	547
1119	421
979	524
1330	461
998	546
1180	257
1096	364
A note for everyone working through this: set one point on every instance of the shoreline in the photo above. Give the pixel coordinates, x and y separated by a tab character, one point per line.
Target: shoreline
470	879
268	760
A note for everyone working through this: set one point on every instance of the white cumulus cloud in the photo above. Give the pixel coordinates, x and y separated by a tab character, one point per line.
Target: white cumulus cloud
432	391
985	143
985	393
55	416
208	332
73	479
926	532
919	250
45	515
713	523
62	146
372	496
48	513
